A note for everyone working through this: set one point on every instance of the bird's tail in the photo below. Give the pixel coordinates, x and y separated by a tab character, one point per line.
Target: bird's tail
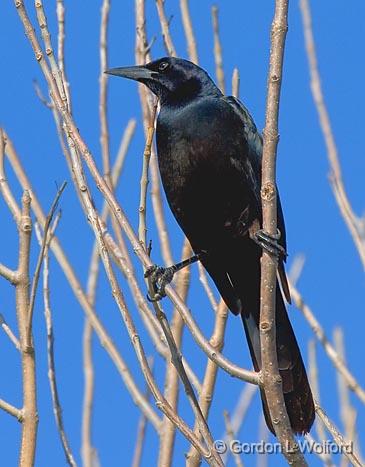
297	393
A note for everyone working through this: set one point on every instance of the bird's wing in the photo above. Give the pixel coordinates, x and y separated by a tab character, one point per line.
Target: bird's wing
252	135
252	170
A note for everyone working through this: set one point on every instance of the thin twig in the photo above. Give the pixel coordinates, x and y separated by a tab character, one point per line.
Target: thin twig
208	290
46	36
142	229
218	50
87	450
8	274
189	31
353	222
210	377
176	359
328	347
314	382
170	49
103	85
296	268
230	437
149	318
9	332
321	454
143	55
347	447
263	436
40	260
11	410
57	409
6	192
168	431
141	433
60	11
236	83
347	411
239	414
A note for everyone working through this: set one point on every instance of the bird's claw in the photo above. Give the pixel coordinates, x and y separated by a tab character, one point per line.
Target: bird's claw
160	277
270	243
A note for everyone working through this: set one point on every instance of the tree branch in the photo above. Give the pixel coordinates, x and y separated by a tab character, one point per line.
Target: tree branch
270	372
189	31
39	262
11	410
318	331
29	410
354	224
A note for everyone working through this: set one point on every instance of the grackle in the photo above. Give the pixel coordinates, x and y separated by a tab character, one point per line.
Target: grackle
209	155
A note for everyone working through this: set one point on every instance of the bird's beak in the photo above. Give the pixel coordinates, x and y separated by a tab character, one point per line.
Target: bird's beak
137	73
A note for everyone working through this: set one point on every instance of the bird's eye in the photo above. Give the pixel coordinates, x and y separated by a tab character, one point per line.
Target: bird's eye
163	66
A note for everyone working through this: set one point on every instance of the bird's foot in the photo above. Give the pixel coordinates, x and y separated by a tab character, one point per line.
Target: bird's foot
270	243
160	277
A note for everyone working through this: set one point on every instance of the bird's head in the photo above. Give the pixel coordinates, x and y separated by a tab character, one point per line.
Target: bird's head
174	81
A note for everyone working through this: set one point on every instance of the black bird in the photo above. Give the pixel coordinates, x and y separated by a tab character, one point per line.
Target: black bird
209	155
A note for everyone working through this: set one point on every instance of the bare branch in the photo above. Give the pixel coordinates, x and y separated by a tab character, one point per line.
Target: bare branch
60	11
11	410
230	436
87	450
189	32
210	377
347	411
170	49
143	55
9	332
239	414
8	274
296	268
354	224
218	50
314	382
40	260
29	410
236	83
103	83
168	431
45	241
4	187
141	433
346	447
56	73
208	290
176	359
148	317
263	436
142	229
330	350
270	372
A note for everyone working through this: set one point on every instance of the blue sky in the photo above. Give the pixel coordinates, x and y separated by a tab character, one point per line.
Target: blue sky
333	278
